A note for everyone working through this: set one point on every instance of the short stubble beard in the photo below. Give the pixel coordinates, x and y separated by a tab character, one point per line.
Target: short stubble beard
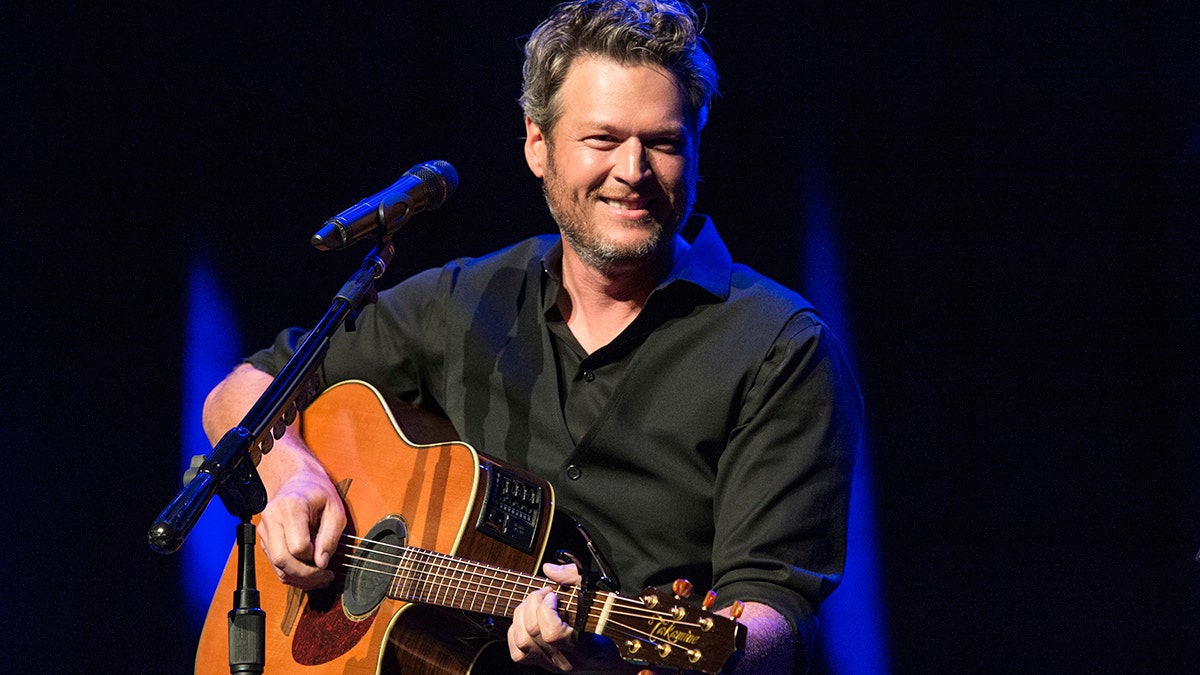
584	238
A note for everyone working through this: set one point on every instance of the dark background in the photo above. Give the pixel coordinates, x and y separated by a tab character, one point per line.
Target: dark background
1014	189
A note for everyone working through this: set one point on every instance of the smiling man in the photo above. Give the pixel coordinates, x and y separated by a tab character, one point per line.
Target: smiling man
623	142
619	172
695	416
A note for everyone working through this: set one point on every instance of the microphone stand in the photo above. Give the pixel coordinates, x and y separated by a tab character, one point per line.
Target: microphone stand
229	470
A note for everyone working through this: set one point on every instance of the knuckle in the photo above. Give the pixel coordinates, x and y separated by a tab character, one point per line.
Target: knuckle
301	549
278	560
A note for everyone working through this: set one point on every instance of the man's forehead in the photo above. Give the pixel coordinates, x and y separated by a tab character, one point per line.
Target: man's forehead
605	93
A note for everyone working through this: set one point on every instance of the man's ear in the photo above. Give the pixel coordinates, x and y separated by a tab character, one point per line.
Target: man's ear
536	147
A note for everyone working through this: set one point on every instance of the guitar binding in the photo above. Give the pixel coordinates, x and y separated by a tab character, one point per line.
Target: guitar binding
370	574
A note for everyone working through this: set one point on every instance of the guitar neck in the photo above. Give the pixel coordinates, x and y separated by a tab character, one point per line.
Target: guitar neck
446	581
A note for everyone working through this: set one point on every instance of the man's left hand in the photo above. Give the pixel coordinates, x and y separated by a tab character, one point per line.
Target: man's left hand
538	635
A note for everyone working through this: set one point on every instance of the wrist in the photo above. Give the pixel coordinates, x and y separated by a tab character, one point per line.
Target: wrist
290	462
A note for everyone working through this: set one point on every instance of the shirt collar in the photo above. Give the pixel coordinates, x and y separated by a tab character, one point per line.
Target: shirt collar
705	263
551	278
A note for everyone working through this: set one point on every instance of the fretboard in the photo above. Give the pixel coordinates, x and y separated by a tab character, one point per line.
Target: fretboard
437	579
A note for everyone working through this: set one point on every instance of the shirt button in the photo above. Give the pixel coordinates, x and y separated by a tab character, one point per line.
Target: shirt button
573	472
589	375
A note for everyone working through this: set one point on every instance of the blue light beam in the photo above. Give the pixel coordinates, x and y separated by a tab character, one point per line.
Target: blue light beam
211	349
853	631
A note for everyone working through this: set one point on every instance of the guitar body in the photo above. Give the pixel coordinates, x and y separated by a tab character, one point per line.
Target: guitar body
428	639
395	469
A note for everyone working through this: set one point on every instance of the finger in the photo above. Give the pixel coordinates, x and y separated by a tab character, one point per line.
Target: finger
551	628
537	632
562	574
287	544
297	534
525	631
532	605
272	546
553	632
523	646
329	533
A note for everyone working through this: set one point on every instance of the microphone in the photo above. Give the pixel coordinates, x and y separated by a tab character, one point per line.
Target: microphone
424	187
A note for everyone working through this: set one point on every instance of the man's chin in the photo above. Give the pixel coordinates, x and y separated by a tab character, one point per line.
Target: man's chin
611	256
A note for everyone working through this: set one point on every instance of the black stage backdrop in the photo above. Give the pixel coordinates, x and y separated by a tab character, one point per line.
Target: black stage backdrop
1014	188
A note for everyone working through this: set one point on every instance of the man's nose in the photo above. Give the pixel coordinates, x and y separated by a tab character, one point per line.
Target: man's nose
631	165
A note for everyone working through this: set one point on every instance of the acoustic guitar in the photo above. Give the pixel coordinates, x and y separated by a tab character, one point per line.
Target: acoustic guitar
441	541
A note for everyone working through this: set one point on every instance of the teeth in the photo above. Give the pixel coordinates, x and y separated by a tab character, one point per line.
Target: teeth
617	204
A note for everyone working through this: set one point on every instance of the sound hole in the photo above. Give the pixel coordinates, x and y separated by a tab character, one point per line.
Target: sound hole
370	569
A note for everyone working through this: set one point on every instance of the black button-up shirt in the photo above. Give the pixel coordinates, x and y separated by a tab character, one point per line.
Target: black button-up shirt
713	439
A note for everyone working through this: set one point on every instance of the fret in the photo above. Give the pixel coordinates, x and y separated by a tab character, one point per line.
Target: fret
506	592
431	580
443	580
426	581
491	591
416	572
453	583
567	605
475	593
434	579
441	583
402	580
458	578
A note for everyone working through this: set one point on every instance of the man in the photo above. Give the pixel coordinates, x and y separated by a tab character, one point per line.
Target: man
698	418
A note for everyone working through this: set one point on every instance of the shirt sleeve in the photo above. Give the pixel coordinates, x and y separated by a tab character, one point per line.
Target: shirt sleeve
783	482
395	344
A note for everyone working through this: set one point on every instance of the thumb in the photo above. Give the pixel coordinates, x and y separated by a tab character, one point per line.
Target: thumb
562	574
328	534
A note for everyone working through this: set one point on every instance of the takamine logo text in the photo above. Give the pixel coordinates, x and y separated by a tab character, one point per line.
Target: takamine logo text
667	630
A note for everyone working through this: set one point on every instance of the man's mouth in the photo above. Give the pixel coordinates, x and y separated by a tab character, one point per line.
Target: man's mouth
629	208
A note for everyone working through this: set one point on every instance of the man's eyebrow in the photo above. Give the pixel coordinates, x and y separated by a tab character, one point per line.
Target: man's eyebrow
671	129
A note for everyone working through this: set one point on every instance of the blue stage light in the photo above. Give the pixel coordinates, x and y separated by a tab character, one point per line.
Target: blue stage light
212	348
853	623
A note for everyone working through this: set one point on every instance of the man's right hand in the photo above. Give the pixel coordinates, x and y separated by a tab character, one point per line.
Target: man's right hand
304	516
300	529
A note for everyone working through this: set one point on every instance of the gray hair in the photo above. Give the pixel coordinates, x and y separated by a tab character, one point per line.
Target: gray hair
631	32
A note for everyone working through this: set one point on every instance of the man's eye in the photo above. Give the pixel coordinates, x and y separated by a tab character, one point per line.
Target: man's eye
670	145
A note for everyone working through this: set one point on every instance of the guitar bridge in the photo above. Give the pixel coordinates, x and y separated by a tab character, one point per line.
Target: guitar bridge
512	509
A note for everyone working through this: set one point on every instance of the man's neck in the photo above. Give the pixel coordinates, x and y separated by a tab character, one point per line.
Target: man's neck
598	304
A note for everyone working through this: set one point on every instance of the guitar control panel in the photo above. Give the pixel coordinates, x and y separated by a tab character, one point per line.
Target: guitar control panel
512	509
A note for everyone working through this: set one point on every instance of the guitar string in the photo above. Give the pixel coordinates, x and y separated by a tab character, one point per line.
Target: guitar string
615	627
531	582
512	593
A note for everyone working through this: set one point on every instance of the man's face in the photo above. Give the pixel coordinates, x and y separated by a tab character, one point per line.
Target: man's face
619	166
